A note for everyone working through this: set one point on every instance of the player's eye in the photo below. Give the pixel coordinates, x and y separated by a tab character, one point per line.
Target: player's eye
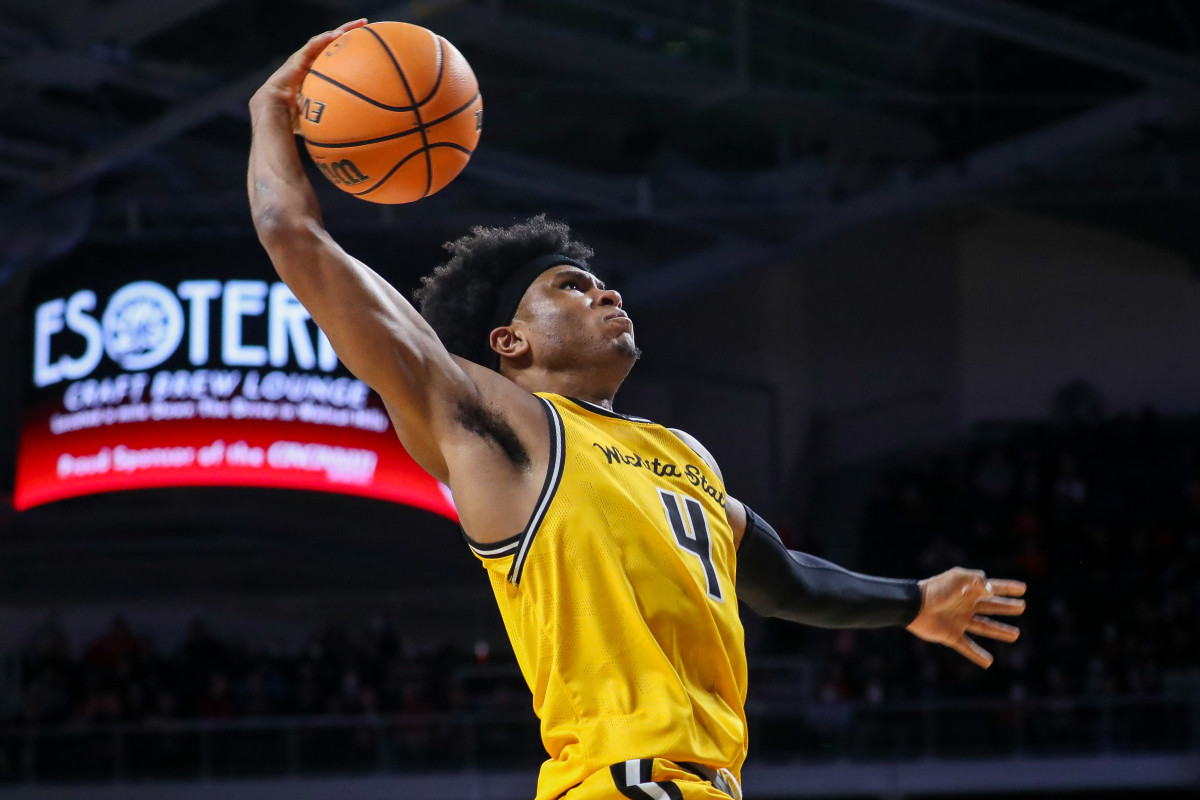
570	284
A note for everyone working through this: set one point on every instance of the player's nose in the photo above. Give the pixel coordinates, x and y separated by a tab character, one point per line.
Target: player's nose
611	297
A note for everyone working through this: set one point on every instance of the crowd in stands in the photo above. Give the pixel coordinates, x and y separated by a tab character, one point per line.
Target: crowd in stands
1101	519
122	676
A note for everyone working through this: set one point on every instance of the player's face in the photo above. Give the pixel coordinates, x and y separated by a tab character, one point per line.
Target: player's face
573	319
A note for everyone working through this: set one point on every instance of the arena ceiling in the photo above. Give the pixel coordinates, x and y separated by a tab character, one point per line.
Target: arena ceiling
691	139
694	138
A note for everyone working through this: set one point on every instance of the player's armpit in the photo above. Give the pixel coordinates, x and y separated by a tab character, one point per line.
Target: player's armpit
777	582
446	411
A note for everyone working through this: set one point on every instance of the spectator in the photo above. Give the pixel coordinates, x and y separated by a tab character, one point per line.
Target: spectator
116	645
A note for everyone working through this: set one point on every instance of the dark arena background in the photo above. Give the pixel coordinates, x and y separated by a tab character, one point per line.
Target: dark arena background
922	274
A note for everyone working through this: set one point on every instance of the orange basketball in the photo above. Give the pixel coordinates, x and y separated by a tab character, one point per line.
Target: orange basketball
390	112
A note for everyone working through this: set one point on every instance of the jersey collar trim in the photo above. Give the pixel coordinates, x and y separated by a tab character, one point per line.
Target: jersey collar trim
604	412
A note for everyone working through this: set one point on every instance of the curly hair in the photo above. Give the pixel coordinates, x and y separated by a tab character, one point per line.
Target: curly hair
459	299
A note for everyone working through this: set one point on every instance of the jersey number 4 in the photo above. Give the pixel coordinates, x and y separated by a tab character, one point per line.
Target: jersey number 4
691	533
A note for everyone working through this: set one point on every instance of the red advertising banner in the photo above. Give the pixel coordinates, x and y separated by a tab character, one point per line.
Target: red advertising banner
142	383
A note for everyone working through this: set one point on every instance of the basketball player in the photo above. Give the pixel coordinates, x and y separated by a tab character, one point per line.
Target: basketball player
615	554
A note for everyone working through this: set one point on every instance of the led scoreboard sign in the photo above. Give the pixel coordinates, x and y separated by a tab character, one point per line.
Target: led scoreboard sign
211	381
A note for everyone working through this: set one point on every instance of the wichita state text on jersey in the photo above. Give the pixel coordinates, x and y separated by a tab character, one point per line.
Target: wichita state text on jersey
619	600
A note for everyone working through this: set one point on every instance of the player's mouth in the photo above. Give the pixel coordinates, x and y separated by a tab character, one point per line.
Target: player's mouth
621	321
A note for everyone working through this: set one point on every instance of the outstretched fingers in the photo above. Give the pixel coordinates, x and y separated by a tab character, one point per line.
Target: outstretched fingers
1006	588
968	649
992	629
1003	606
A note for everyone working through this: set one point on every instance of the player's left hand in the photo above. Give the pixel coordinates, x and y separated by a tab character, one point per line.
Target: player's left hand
954	603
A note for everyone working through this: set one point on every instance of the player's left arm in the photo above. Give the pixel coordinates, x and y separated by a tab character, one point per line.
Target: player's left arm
799	587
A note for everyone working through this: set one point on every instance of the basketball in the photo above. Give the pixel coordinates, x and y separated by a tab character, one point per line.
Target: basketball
390	112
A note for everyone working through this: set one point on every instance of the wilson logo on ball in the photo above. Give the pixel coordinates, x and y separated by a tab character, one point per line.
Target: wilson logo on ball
343	173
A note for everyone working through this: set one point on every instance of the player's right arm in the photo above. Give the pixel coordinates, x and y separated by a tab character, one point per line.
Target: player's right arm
945	608
375	331
783	583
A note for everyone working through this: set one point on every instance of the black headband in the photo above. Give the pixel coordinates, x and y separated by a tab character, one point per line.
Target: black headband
510	294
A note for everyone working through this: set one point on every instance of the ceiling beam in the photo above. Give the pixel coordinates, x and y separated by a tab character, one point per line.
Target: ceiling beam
129	22
1063	37
183	117
618	196
563	49
27	150
17	173
74	62
166	127
1012	163
528	174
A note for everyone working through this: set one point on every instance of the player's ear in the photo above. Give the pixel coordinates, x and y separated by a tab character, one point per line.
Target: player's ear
508	341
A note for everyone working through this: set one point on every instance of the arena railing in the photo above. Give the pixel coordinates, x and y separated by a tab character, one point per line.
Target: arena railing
507	739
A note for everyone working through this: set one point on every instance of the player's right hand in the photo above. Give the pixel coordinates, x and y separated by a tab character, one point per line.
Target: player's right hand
281	89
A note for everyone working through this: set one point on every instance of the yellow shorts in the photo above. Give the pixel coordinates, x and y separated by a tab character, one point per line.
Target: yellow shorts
652	779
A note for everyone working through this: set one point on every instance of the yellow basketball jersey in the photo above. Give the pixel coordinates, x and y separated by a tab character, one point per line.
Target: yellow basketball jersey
619	600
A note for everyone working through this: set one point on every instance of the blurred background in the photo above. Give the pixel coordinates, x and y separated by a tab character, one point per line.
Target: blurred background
922	274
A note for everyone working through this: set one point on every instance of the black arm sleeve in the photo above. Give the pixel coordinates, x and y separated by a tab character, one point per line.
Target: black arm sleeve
777	582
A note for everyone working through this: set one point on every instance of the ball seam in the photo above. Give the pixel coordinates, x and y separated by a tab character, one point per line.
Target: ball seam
437	82
405	160
360	95
400	134
416	111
